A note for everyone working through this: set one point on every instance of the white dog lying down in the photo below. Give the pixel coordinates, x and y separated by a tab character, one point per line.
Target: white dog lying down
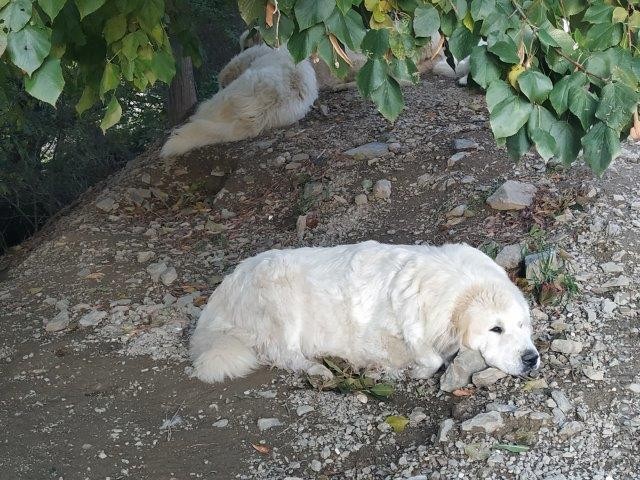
389	307
263	89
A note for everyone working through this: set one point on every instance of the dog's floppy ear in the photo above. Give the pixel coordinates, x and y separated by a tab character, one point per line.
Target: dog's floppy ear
460	317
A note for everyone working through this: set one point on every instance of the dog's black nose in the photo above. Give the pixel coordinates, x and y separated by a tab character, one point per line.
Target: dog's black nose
530	358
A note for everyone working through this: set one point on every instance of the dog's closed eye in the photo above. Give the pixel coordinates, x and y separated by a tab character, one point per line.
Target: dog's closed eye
496	329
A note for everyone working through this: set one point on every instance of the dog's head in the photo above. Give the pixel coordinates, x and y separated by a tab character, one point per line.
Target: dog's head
494	319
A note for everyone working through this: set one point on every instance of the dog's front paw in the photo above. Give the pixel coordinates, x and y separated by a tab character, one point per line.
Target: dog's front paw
319	370
423	372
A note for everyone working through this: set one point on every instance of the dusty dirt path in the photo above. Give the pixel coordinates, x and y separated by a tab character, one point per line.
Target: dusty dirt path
88	401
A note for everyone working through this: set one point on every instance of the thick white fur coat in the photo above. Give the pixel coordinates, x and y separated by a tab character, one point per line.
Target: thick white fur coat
375	305
262	88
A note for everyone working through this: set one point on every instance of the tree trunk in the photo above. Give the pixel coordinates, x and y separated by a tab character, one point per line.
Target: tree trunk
182	92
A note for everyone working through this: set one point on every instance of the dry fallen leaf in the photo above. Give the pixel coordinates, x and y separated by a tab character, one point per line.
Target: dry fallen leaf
270	11
336	46
397	422
263	449
95	276
463	392
635	130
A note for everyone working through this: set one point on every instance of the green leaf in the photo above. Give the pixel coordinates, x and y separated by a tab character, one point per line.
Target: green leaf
150	14
567	142
344	5
481	9
348	28
598	13
302	44
518	144
375	42
15	15
115	28
398	422
498	90
404	70
603	36
535	85
110	78
484	67
311	12
85	7
250	10
47	82
512	448
509	116
388	98
112	115
29	47
3	42
617	105
583	104
382	390
88	98
371	76
540	122
426	21
164	66
506	50
51	7
601	145
462	42
559	96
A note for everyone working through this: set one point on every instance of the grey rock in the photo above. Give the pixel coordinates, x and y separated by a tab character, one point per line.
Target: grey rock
487	377
106	204
460	144
487	422
477	451
459	372
611	267
562	401
156	269
608	306
593	374
144	257
456	211
315	465
221	423
369	150
509	257
425	180
312	190
570	429
621	281
382	189
92	319
445	427
361	199
538	263
417	415
169	276
512	195
300	157
267	423
304	409
567	347
59	322
455	158
634	387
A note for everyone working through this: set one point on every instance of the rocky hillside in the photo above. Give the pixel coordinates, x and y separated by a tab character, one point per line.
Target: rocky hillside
97	309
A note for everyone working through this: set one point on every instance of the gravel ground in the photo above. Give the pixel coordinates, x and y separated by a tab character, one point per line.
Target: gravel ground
98	307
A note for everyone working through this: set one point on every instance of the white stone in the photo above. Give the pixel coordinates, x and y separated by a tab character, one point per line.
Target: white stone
509	257
512	195
92	319
566	346
484	422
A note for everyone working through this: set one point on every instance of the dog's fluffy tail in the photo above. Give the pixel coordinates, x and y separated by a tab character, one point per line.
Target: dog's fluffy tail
197	133
225	356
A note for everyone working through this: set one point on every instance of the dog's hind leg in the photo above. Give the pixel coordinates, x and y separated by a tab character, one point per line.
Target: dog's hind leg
240	63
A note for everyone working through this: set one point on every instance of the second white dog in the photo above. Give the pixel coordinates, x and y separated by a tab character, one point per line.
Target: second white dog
263	88
374	305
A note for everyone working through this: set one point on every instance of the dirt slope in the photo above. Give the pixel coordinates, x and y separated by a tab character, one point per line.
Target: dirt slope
122	276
